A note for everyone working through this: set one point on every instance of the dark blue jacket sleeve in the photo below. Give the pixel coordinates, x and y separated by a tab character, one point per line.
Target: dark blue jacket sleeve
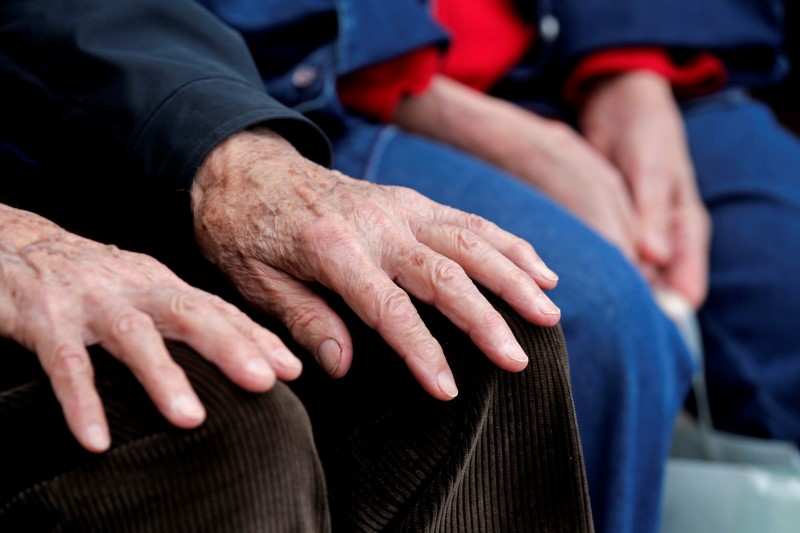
746	34
161	81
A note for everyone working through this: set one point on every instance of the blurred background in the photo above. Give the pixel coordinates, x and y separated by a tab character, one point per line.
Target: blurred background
785	98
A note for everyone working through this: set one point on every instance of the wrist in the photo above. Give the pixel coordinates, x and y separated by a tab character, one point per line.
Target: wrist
466	119
618	103
19	228
638	84
239	152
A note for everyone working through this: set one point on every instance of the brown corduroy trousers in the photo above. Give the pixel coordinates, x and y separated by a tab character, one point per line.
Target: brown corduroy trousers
504	456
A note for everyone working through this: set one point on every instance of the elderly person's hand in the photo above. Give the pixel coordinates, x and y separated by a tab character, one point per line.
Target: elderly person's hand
634	121
277	223
60	293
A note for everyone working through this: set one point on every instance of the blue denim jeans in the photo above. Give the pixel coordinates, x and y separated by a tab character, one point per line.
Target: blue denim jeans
630	370
748	170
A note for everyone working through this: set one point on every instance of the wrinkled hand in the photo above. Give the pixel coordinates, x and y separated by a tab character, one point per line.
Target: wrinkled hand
276	223
548	154
634	121
60	293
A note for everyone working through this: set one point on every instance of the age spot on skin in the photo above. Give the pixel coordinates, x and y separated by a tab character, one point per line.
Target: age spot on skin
417	259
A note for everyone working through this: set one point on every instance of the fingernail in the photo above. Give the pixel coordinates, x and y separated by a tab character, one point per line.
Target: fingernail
446	384
288	360
187	406
546	272
514	351
97	437
546	306
328	355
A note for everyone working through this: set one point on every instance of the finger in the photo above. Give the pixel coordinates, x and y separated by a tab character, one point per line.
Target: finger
188	317
687	273
67	364
309	318
131	336
385	307
286	365
485	264
621	222
654	198
652	275
519	251
437	280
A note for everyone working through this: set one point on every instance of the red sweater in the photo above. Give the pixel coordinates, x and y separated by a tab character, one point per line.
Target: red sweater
487	39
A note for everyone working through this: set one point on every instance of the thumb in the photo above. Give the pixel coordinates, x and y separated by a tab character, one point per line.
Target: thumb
653	199
308	317
688	270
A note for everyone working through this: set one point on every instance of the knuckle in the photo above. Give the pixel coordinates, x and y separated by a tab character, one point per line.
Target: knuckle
478	224
490	319
395	307
520	248
185	302
240	321
259	334
221	304
69	363
428	352
243	326
516	278
447	272
130	322
372	215
302	319
468	242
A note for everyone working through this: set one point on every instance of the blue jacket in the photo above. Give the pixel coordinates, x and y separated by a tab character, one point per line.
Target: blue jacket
301	46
